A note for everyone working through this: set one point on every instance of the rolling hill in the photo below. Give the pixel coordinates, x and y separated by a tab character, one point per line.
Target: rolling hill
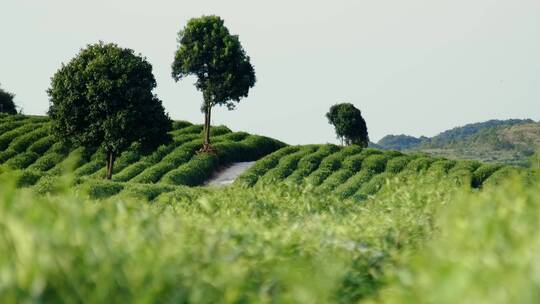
498	141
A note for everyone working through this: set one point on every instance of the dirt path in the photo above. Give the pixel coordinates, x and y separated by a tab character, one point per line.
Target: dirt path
228	175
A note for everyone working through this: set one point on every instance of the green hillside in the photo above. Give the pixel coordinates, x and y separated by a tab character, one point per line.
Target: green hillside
499	141
27	146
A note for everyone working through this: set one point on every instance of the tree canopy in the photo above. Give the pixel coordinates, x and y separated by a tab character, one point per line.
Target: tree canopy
224	73
7	105
103	98
349	124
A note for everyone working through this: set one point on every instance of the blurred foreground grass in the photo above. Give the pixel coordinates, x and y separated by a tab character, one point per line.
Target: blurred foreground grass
420	239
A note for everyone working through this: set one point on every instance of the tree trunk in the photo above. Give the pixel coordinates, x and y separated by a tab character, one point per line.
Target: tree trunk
207	117
111	156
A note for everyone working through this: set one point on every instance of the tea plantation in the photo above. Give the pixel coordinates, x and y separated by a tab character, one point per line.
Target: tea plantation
305	224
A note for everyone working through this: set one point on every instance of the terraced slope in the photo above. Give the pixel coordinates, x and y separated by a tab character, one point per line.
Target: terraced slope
27	146
352	172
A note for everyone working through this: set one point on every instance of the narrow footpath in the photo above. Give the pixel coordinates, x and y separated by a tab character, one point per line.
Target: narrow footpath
228	175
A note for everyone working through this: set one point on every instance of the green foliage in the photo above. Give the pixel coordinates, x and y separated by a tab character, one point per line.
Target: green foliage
311	162
331	164
232	245
193	173
99	189
7	137
103	97
22	160
349	124
7	105
421	163
397	164
483	251
483	173
41	145
251	176
208	51
287	165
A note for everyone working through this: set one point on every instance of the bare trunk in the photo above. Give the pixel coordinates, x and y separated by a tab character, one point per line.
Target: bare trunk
111	156
207	118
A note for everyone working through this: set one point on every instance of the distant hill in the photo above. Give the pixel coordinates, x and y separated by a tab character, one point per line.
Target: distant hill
504	141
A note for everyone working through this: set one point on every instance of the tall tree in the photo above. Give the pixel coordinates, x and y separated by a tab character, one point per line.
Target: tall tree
223	70
349	124
103	97
7	105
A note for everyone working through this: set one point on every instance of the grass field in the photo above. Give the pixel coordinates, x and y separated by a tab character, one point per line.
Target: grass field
305	224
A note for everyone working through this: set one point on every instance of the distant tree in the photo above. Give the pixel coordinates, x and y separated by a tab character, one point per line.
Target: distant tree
223	70
6	102
350	127
103	97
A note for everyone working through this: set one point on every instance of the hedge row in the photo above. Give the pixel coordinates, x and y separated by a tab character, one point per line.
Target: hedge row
194	172
310	163
331	164
7	137
251	176
287	165
21	143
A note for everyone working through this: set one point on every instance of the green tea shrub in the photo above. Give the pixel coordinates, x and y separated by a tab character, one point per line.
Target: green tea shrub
373	186
7	137
145	192
22	160
90	167
10	125
47	161
420	164
49	184
193	129
484	251
180	124
21	143
287	165
310	163
236	136
130	171
260	146
42	145
334	180
350	166
354	183
219	130
27	178
230	151
505	173
441	166
375	163
252	175
101	189
354	163
461	177
483	173
6	155
37	119
397	164
194	172
469	165
331	164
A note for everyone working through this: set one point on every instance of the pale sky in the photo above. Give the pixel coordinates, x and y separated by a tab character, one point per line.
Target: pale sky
412	66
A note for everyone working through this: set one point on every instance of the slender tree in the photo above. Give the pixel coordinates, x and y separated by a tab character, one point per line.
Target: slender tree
103	97
349	124
7	105
223	70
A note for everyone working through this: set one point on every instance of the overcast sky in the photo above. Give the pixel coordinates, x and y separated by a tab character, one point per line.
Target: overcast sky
412	66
